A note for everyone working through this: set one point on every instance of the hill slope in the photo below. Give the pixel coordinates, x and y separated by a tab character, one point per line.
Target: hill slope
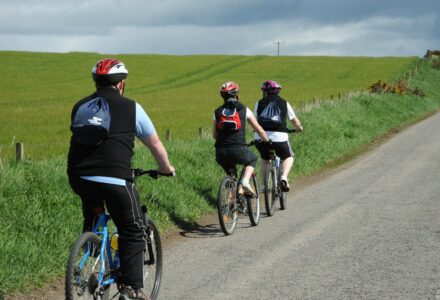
178	92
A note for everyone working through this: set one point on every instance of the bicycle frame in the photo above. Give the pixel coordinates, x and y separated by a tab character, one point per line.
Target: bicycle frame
105	246
233	174
275	164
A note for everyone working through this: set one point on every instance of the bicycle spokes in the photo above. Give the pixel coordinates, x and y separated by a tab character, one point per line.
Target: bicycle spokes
227	205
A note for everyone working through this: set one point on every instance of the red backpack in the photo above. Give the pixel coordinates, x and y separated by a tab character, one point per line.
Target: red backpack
229	120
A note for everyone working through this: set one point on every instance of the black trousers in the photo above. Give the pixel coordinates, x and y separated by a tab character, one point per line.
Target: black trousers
124	207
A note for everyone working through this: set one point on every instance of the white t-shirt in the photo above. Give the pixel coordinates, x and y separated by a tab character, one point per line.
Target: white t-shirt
276	136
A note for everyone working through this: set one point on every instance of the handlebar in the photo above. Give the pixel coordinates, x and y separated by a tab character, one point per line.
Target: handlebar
252	143
152	173
292	130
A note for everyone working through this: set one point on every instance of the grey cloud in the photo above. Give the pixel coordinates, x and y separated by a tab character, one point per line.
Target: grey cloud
378	27
29	17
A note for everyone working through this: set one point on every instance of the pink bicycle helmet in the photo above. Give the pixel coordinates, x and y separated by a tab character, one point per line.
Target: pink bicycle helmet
271	87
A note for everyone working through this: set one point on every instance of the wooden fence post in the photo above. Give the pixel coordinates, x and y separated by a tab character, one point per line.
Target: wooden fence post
167	135
19	151
200	132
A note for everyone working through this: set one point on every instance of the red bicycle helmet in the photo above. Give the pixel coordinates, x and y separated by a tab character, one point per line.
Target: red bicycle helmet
229	89
109	71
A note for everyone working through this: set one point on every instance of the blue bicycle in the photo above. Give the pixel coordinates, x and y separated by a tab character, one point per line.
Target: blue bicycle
93	265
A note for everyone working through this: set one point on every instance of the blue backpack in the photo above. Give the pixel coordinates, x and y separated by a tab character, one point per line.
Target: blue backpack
270	117
91	122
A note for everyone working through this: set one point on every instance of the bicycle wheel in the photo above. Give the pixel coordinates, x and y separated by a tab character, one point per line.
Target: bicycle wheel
253	204
152	261
281	194
83	269
227	205
269	191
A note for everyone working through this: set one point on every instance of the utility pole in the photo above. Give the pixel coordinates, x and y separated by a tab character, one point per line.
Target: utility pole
278	43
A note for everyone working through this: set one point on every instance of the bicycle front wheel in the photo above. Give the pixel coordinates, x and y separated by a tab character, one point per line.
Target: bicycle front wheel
253	204
269	191
83	269
227	205
152	261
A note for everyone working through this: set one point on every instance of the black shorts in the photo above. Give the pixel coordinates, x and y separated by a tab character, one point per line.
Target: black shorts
229	157
282	150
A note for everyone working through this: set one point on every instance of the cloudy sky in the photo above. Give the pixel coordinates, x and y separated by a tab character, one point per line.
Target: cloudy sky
305	27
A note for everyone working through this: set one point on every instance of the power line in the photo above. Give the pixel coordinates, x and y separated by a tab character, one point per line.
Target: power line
278	43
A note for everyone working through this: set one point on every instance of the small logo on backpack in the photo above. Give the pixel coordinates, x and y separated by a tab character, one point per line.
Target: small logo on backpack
229	120
91	123
95	121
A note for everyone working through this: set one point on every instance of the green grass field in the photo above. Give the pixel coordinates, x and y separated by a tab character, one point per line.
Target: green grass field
178	92
40	216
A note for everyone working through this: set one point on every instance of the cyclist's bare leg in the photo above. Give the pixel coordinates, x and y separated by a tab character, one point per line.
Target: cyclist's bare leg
286	166
248	170
248	173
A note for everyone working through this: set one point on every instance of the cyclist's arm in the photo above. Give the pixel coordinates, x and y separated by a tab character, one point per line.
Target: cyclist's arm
159	153
258	129
293	118
297	123
146	133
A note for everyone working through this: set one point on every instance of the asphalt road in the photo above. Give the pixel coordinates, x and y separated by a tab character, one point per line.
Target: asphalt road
369	231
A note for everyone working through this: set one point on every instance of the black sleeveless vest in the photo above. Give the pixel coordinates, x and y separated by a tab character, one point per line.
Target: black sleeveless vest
227	138
111	158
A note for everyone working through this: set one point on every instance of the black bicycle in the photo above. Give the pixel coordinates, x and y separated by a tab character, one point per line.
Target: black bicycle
231	201
93	265
272	183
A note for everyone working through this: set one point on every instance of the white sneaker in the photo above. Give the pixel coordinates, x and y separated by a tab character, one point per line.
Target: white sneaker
247	189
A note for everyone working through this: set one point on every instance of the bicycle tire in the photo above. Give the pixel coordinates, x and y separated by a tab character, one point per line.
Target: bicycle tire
281	194
152	272
253	204
227	205
269	191
83	287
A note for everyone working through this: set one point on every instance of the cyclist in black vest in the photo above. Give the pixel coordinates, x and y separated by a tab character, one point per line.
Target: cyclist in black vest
230	134
103	172
276	129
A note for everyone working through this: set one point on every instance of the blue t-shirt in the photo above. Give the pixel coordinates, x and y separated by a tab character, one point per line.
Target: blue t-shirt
144	129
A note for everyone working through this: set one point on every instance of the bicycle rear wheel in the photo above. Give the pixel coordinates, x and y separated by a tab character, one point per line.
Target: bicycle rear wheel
227	205
253	204
269	191
281	194
152	261
83	268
